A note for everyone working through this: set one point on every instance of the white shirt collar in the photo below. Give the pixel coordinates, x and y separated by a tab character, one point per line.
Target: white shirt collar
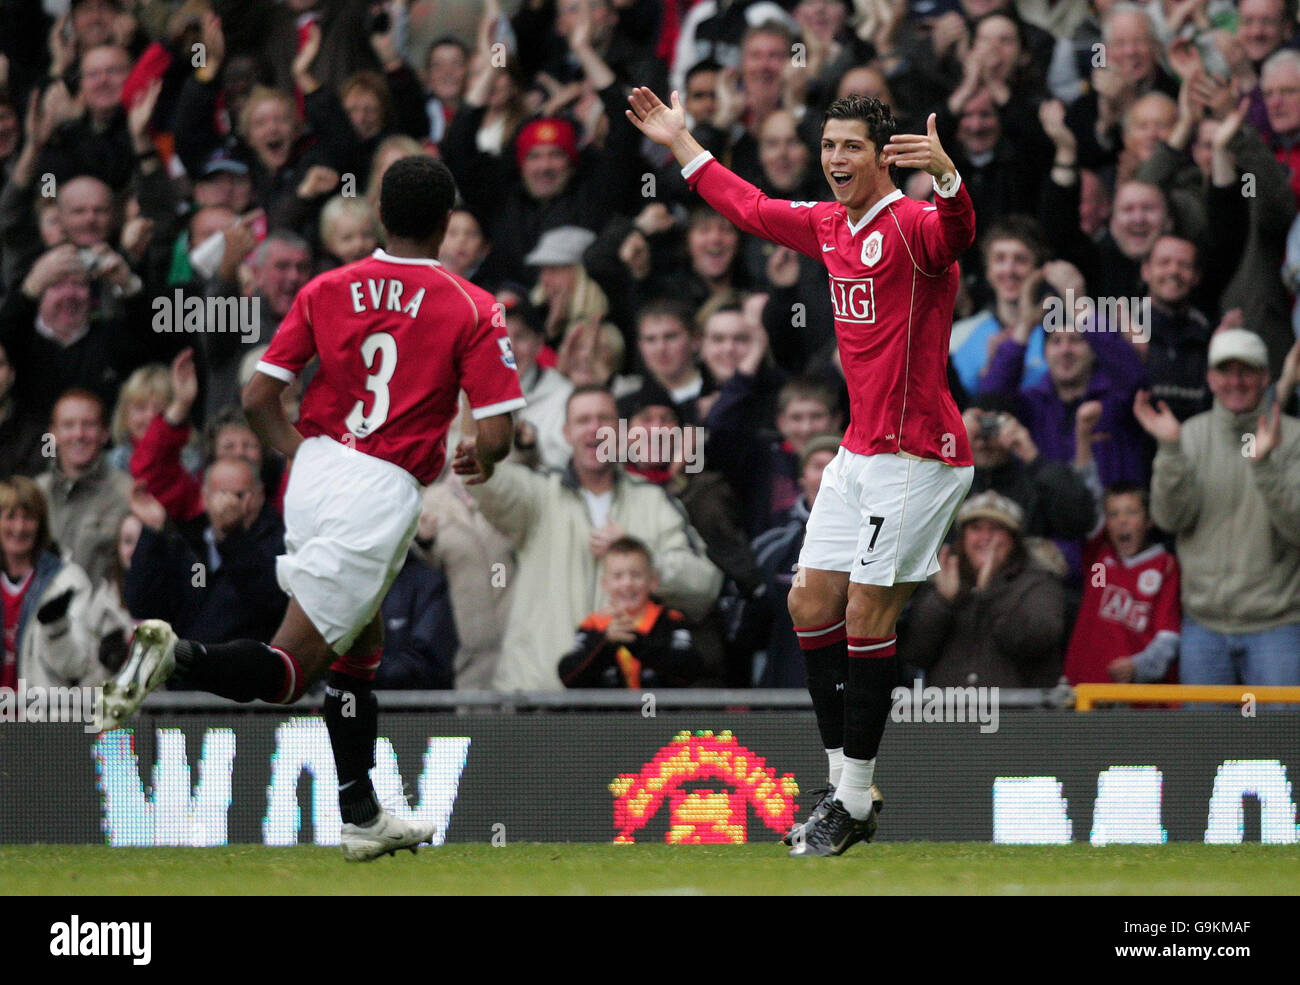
1142	557
44	331
381	254
865	221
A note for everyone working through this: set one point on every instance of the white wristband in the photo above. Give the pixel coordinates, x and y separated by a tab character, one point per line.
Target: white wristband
949	186
697	162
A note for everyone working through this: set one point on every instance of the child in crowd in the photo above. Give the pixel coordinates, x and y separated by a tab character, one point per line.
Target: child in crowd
144	396
636	642
347	230
1129	620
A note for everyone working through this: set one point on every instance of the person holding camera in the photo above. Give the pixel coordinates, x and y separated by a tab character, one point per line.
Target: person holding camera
58	335
1053	497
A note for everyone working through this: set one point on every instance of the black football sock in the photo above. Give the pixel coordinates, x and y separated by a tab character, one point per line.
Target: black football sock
352	717
868	697
243	670
826	656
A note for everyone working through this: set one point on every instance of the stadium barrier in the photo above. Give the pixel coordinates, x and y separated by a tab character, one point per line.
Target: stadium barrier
1088	695
686	767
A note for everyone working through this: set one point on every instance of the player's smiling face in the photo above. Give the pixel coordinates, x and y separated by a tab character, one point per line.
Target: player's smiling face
851	164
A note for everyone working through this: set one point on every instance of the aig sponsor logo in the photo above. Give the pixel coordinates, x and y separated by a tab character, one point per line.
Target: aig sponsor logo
854	299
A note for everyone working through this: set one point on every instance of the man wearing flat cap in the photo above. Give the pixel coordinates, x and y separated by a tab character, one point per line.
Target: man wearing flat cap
1227	483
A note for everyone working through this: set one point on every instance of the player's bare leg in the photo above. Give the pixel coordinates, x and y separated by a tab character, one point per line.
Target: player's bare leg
817	602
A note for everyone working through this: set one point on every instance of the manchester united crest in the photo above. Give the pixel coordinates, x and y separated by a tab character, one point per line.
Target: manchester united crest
871	248
1149	581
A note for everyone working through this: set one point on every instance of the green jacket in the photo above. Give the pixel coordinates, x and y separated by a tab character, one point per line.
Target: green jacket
85	514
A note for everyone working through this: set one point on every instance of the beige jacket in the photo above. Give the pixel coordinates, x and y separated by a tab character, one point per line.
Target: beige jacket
545	516
479	566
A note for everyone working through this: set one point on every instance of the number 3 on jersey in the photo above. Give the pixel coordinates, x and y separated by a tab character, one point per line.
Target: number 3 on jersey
380	353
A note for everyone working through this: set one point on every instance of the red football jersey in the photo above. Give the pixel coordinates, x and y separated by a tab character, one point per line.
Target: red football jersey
893	281
1125	604
13	605
398	339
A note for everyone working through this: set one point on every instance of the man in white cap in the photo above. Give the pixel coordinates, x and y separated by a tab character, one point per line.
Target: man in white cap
1227	482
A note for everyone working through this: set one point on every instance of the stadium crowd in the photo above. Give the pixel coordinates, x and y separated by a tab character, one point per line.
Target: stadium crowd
1125	339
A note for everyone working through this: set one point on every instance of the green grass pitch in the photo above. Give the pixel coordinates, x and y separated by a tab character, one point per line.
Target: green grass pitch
588	869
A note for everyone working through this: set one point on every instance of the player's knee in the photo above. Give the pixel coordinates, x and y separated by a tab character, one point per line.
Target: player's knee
870	613
807	609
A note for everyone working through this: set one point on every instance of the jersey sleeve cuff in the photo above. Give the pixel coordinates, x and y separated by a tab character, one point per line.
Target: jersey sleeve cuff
947	190
279	372
697	162
491	410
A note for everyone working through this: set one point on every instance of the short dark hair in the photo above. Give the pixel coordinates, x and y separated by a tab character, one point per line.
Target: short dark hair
666	308
874	114
1022	228
630	545
444	41
1196	249
584	390
1127	487
416	197
808	388
704	65
230	416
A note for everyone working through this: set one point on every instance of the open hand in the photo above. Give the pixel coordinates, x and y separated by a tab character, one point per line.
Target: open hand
147	509
1160	424
657	121
947	580
1268	432
602	537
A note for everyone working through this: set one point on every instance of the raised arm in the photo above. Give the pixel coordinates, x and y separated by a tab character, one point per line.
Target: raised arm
784	222
944	234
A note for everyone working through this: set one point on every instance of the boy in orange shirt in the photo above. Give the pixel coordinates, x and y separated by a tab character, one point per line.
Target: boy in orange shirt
636	643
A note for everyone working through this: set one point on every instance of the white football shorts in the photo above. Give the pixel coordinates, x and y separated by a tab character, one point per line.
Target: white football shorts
882	518
348	520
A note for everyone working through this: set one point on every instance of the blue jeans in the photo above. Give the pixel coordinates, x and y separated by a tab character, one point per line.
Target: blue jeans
1267	658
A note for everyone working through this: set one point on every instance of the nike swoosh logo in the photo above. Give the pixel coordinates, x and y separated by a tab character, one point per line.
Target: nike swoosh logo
865	561
827	249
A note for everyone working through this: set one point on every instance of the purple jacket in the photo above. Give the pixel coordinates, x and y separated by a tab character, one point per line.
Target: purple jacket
1125	452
